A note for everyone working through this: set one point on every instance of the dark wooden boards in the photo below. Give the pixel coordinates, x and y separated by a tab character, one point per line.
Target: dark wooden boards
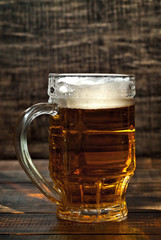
26	214
38	37
41	223
25	197
79	236
18	194
147	170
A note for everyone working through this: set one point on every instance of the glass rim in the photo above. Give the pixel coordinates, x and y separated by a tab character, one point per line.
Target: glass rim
109	75
66	85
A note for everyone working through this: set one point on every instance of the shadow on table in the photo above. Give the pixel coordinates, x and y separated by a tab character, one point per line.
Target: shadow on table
128	229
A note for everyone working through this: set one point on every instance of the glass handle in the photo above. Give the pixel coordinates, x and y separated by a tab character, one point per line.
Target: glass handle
23	155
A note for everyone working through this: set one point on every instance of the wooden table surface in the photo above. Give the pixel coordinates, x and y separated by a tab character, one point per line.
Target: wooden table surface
27	214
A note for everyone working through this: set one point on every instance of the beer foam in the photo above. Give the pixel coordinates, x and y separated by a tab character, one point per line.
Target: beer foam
91	104
89	93
95	97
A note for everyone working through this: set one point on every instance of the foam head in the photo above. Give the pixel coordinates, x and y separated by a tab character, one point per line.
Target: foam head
91	91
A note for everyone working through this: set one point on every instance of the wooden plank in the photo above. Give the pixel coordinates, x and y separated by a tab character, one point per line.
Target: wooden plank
80	236
42	164
141	162
137	224
18	194
11	171
11	165
25	197
16	197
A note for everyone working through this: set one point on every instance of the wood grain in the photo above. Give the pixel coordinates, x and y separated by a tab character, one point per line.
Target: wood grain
25	197
26	214
79	236
45	223
38	37
19	194
147	170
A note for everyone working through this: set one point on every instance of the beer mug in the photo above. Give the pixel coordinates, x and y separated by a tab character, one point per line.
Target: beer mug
91	145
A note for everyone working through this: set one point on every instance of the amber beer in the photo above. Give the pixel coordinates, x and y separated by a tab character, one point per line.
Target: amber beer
92	156
91	141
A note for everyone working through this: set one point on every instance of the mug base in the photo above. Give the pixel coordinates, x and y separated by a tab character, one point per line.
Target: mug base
113	213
